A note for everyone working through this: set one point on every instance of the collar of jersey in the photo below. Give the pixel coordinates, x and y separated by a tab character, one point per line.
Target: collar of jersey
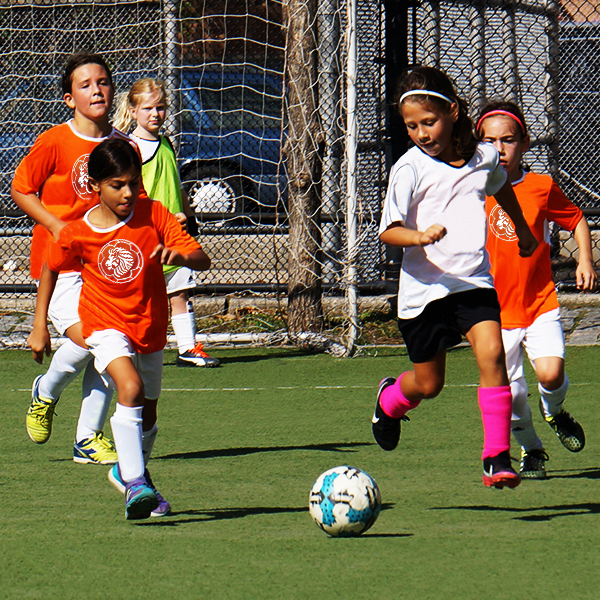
86	137
107	229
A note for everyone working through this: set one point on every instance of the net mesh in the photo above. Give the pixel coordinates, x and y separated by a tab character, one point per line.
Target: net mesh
273	214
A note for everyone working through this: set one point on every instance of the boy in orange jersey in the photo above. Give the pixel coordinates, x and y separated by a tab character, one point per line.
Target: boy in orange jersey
51	186
529	305
121	246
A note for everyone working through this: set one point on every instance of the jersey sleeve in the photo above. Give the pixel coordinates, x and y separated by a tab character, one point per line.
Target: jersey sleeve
170	231
36	167
561	210
64	254
399	194
497	177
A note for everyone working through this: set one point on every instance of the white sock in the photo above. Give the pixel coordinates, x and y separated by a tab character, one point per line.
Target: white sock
184	327
148	439
68	361
552	400
126	426
521	421
95	404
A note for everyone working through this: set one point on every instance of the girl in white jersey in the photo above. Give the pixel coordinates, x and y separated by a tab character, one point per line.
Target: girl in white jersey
435	210
146	104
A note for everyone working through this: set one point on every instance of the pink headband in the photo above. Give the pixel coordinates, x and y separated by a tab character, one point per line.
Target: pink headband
506	113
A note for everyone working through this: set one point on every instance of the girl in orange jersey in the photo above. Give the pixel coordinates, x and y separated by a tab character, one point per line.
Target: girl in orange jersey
121	246
530	312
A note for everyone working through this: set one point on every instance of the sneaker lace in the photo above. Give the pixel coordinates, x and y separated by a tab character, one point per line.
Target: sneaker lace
104	442
42	411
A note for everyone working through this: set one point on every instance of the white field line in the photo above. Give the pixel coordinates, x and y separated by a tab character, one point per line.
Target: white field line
303	387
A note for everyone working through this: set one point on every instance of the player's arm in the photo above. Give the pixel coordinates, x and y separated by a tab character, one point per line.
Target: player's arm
398	235
39	338
197	260
586	274
508	202
32	206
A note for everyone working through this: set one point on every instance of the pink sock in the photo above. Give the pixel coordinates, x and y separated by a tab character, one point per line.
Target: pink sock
496	410
393	402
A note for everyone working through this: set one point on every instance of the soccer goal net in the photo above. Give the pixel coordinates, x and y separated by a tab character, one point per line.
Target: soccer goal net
282	117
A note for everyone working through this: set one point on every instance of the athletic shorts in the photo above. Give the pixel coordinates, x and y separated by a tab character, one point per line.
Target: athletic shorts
443	322
64	304
180	280
109	344
543	338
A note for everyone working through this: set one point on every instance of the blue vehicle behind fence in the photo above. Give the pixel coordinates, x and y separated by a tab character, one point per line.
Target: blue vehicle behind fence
228	136
230	140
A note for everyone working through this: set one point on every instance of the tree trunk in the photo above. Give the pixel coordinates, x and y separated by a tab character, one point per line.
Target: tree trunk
303	154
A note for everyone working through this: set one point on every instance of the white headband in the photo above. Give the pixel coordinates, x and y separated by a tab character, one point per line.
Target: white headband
424	93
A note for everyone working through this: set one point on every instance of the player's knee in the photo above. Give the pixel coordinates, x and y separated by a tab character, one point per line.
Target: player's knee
430	388
551	379
131	393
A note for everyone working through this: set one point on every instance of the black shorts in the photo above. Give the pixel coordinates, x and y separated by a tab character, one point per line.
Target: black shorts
443	322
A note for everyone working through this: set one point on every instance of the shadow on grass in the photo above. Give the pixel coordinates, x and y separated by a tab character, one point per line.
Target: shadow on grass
549	512
223	452
194	515
589	473
250	358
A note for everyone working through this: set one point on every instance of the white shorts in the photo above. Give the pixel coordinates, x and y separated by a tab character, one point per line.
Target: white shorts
64	304
179	280
543	338
109	344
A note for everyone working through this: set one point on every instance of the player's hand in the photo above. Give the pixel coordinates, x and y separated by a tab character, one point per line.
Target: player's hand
40	343
182	219
432	234
527	242
57	228
167	256
586	277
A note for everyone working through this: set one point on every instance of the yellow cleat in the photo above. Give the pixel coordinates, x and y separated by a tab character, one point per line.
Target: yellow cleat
97	450
38	420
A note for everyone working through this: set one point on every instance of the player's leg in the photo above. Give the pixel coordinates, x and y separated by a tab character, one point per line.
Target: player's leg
114	359
546	349
183	320
91	445
494	395
149	368
67	362
533	454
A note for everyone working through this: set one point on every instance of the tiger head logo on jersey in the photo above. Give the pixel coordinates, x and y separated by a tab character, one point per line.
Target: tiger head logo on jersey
120	261
501	225
79	177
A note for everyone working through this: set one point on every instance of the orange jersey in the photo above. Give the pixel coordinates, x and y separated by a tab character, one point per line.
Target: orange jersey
525	286
56	170
122	288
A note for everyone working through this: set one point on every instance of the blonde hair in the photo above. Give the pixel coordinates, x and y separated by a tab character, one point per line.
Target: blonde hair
131	99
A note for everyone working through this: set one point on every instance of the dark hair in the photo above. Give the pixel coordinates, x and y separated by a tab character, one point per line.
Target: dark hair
78	60
506	106
434	80
112	158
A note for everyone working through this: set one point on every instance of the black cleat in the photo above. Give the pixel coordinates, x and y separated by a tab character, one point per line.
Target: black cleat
569	431
533	464
386	430
499	473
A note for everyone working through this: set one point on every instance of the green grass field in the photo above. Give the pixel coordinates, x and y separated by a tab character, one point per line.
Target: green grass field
238	451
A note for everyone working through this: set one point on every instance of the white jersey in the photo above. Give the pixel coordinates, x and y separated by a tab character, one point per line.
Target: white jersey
424	191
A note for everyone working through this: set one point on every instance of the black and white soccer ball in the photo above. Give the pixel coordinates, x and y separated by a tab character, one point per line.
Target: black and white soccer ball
345	501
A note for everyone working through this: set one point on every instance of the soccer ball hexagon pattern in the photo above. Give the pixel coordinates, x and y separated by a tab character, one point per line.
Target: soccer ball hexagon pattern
345	501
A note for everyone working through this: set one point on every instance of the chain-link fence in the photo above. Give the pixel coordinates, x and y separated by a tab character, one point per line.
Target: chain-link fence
256	85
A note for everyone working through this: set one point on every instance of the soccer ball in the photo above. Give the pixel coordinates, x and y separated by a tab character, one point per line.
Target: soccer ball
345	501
